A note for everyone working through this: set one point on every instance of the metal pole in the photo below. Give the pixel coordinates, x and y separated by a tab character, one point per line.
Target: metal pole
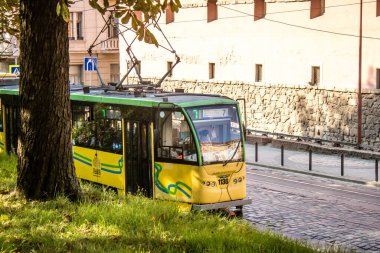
360	75
282	155
342	165
256	152
377	170
310	159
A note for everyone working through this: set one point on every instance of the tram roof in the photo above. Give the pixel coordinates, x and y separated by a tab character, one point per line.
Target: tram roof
145	99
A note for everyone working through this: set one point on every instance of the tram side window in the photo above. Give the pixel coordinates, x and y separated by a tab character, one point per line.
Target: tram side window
109	130
175	140
83	127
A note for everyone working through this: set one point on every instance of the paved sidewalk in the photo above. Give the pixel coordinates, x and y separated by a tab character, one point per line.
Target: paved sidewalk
355	169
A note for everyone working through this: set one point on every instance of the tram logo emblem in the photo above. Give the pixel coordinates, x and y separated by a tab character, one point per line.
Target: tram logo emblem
96	168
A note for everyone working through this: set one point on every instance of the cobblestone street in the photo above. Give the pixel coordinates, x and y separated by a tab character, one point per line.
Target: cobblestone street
321	211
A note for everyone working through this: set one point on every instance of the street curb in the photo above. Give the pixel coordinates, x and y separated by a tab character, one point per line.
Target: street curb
346	179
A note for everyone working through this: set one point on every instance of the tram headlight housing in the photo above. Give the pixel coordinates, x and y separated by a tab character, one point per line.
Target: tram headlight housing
240	179
208	183
235	181
213	184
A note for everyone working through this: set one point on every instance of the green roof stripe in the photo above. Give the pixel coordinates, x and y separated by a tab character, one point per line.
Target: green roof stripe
142	101
113	100
209	102
9	92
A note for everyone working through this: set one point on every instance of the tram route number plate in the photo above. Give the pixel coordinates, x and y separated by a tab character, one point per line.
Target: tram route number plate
223	180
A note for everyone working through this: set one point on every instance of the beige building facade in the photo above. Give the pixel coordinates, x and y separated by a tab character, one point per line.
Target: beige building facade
9	52
287	42
85	25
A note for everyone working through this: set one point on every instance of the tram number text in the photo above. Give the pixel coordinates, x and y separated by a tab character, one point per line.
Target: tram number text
223	181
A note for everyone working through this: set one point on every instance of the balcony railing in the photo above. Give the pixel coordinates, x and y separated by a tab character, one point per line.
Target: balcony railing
110	44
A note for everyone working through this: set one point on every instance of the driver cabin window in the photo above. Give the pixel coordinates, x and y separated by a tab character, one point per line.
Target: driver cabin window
175	139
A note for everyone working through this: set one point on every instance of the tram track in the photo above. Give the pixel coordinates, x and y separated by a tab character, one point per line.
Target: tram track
266	180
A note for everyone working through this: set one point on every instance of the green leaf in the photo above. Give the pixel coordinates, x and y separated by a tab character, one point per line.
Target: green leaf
94	4
140	32
150	38
134	22
126	18
106	4
65	12
58	9
179	5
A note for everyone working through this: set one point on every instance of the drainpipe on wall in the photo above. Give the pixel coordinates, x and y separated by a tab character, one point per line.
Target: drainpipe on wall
359	141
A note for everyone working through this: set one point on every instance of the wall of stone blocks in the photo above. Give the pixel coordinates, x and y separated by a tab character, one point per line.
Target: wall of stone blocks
329	114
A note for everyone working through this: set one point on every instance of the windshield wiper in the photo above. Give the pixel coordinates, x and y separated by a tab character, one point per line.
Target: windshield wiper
232	157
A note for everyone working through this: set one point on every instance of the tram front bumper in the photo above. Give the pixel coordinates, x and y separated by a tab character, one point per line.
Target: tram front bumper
221	205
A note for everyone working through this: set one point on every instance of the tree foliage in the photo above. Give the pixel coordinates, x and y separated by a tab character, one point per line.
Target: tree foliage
9	19
127	10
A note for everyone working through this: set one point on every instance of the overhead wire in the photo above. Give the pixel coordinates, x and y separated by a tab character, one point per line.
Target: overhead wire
303	27
130	53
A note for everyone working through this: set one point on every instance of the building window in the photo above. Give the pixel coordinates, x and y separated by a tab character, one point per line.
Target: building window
377	78
115	73
315	75
377	8
75	26
259	73
212	10
169	15
169	66
113	28
76	74
260	9
211	70
317	8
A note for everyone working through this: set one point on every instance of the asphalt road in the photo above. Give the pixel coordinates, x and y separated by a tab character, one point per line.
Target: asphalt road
324	212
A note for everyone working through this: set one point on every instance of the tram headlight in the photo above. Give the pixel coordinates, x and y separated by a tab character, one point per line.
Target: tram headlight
213	184
235	181
240	179
208	183
203	182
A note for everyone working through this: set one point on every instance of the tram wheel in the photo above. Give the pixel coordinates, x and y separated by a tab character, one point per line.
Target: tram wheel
239	211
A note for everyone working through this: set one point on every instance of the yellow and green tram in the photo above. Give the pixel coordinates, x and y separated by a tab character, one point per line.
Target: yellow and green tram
171	146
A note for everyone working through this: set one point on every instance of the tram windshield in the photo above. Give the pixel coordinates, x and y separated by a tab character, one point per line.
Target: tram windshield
218	132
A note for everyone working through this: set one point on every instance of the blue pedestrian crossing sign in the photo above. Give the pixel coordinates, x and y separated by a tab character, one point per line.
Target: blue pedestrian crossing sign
14	69
90	63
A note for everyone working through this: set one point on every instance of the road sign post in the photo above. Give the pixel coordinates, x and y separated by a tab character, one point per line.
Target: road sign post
90	64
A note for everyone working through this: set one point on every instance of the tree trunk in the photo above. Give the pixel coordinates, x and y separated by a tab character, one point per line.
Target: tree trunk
45	164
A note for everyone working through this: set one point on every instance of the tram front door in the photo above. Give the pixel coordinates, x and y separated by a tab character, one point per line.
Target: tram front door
138	157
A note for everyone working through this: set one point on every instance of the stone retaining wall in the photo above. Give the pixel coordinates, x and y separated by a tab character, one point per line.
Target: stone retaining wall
296	110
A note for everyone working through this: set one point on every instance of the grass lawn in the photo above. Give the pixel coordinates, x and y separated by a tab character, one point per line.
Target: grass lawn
106	222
